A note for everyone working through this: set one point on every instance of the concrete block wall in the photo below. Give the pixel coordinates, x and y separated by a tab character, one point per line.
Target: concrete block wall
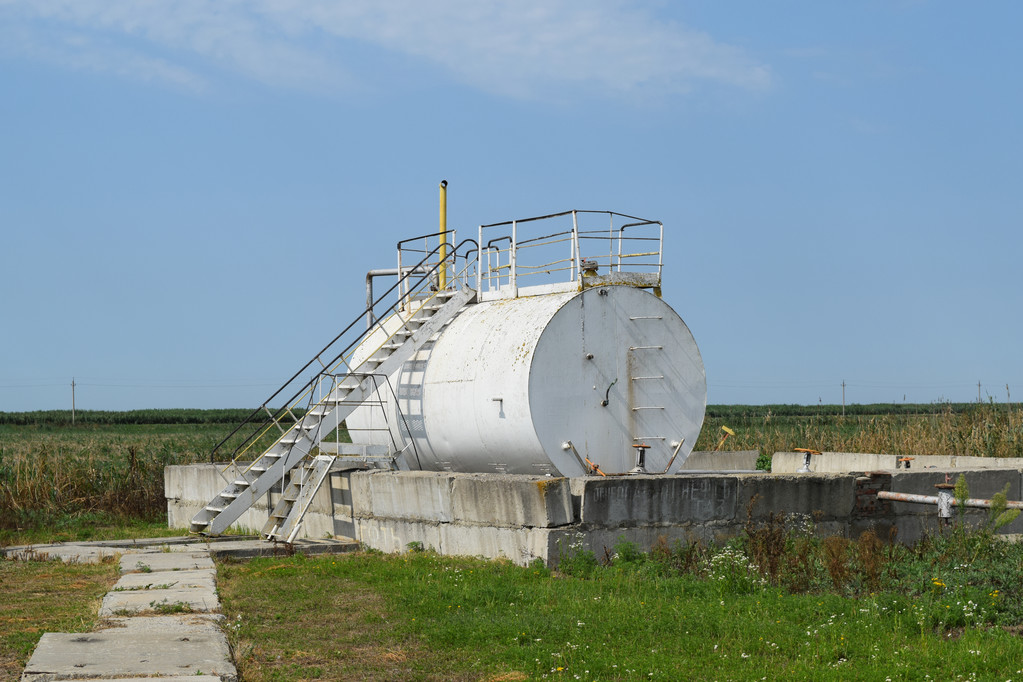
723	460
189	488
493	515
846	462
914	520
523	518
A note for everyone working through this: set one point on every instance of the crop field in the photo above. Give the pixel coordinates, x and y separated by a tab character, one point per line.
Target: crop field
965	429
61	481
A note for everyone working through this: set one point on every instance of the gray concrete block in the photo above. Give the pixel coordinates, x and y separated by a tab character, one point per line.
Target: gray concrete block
148	592
645	500
602	542
520	546
144	647
983	484
511	501
176	678
832	462
189	488
845	462
71	554
198	599
724	460
833	495
200	577
416	495
164	561
395	535
960	462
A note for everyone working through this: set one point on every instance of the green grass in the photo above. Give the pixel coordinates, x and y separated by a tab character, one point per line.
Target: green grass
42	528
46	596
421	616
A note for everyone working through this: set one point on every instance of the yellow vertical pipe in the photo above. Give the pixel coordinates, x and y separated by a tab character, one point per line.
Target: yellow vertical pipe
442	273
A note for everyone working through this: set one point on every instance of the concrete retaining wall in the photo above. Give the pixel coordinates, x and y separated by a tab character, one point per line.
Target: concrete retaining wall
724	460
524	518
846	462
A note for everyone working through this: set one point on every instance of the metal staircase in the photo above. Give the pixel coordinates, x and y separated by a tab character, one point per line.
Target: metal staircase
286	517
417	314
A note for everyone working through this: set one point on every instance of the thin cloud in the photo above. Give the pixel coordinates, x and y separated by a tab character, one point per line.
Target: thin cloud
519	49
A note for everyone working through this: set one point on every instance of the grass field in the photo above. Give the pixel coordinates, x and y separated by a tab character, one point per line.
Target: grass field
703	613
46	596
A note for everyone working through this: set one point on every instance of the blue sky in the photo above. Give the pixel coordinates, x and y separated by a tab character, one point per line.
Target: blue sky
840	182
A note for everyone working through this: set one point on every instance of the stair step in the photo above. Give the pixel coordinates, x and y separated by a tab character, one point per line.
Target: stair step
285	455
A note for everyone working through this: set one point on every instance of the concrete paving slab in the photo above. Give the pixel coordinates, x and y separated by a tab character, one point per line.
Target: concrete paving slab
200	599
86	550
199	577
188	678
126	652
248	549
69	554
165	561
181	624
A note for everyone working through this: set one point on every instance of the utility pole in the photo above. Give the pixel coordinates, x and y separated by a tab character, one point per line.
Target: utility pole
72	401
978	391
843	397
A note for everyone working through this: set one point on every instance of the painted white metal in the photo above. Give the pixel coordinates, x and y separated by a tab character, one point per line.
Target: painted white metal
355	388
508	382
286	518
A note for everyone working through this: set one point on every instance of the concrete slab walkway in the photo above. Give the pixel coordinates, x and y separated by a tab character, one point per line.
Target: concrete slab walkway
161	619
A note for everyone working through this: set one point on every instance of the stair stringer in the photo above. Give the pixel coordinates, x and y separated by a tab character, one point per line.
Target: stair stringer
304	435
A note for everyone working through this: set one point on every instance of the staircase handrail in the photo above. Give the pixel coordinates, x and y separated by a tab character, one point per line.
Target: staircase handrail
419	270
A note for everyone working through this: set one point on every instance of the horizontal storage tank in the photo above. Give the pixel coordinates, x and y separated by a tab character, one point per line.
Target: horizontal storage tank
535	384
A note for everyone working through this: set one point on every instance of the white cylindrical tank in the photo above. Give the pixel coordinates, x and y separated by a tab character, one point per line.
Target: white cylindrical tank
524	384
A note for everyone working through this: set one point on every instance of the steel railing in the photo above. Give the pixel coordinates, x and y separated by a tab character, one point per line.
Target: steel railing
510	258
406	297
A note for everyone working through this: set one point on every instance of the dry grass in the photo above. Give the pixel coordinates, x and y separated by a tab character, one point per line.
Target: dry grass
307	624
46	596
980	431
51	472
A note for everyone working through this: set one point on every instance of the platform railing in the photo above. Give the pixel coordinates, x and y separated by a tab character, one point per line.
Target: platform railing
552	251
